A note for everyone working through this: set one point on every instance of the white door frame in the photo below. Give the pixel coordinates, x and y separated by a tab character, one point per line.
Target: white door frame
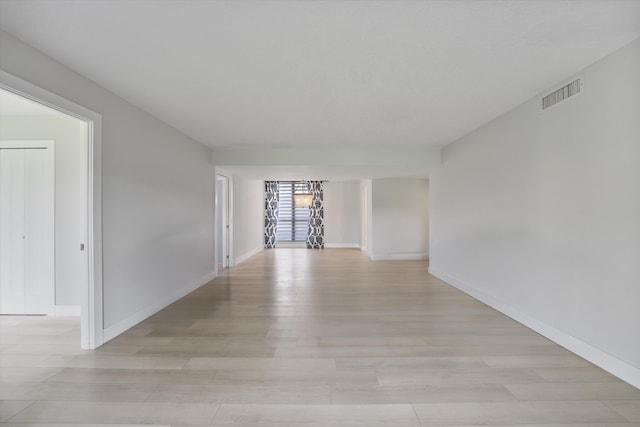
91	306
223	200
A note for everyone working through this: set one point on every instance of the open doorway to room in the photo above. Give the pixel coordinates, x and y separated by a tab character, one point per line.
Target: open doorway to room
47	201
222	222
365	212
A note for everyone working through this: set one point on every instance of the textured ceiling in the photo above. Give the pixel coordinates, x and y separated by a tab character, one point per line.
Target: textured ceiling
335	73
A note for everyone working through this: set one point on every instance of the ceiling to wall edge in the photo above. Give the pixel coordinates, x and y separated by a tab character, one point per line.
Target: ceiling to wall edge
327	163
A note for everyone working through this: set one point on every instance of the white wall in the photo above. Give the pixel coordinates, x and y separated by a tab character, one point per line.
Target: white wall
70	136
538	213
408	158
248	218
342	214
400	218
158	188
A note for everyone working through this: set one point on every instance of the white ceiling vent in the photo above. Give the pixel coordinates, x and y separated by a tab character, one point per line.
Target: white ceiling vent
559	95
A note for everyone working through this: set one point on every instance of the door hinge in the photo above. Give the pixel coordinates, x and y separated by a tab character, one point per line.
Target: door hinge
82	246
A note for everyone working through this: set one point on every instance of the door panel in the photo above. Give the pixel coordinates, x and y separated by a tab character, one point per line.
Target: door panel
39	226
27	251
12	225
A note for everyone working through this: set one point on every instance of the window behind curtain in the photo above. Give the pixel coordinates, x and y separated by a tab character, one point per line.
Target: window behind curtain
293	221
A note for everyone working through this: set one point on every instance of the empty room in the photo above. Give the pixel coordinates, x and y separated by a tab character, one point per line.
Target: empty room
320	213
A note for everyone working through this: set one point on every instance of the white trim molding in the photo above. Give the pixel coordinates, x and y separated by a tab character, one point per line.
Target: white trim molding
611	364
342	246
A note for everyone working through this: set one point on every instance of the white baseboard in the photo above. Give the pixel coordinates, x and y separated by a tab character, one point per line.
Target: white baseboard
114	330
246	256
66	311
609	363
342	246
400	256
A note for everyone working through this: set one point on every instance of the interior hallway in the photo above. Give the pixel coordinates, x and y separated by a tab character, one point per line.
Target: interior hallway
315	338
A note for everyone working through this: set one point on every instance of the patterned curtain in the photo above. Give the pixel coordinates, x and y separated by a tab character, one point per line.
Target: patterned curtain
271	191
315	232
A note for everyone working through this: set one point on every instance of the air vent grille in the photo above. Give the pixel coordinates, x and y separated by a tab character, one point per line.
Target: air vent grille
563	93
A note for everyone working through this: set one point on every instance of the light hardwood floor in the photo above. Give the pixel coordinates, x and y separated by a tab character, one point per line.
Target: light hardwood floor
296	337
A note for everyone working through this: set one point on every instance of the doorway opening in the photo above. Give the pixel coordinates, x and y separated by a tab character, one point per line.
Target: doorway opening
222	223
51	207
364	215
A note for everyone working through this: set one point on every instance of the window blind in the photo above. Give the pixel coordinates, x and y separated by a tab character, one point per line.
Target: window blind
292	221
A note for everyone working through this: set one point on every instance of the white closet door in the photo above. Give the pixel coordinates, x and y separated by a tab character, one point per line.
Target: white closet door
39	226
12	237
27	251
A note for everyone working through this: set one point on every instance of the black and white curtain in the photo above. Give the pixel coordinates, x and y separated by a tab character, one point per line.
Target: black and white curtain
271	191
315	232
